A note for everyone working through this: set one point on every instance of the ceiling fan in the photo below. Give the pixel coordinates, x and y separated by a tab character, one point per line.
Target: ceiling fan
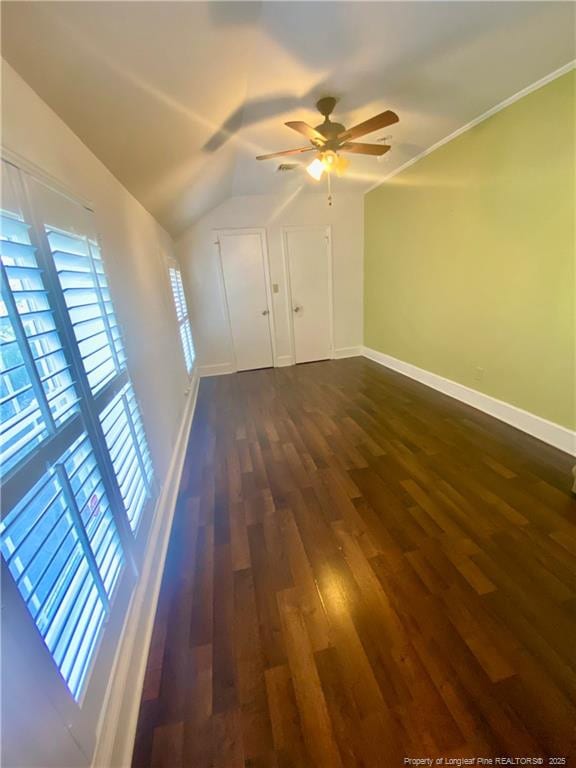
329	139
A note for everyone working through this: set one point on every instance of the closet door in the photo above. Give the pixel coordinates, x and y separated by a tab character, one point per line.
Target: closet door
307	251
244	272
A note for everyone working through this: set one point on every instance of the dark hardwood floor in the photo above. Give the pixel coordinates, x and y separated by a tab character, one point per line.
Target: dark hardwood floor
361	570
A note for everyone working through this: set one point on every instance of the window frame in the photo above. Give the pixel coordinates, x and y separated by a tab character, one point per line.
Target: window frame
82	715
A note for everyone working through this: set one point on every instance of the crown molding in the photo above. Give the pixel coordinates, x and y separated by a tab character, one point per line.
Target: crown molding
477	120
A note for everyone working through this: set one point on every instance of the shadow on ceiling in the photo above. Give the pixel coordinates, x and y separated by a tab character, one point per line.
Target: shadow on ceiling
422	72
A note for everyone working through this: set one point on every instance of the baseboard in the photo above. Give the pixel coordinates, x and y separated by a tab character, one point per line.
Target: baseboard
216	369
117	727
284	361
547	431
347	352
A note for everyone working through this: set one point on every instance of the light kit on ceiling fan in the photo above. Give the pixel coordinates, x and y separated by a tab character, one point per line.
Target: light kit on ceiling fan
316	169
329	139
326	163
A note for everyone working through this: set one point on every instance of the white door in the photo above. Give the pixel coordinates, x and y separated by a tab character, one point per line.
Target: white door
244	270
309	267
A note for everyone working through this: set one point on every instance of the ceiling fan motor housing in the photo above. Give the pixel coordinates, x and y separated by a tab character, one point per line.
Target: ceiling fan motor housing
328	129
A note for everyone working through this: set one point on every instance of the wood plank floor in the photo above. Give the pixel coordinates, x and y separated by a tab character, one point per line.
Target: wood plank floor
361	570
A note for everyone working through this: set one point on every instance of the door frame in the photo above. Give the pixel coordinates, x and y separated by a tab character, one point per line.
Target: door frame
285	263
261	232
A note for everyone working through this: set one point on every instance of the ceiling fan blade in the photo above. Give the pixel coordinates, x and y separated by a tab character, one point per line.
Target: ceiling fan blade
364	149
369	126
306	130
286	152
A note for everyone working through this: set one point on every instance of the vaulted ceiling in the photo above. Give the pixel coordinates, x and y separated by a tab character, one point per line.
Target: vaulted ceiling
177	98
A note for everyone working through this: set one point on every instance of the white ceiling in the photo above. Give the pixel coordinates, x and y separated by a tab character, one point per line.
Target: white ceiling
177	98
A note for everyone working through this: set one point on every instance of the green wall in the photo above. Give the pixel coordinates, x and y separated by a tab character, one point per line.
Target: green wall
470	257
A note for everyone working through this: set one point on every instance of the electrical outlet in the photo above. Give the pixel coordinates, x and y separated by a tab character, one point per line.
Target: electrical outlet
478	374
275	288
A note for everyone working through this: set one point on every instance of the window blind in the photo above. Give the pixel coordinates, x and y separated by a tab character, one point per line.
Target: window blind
37	389
81	274
62	547
124	435
182	316
76	256
75	462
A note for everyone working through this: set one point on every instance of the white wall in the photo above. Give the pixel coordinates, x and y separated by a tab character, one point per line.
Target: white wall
133	247
199	258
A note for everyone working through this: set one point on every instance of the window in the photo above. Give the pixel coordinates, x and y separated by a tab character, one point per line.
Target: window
62	547
38	394
75	465
182	315
83	282
126	442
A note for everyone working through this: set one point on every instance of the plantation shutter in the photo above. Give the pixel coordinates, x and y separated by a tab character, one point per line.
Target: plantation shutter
77	474
73	245
182	315
37	389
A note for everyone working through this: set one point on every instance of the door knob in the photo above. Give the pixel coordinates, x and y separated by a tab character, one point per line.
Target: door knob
265	311
297	309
